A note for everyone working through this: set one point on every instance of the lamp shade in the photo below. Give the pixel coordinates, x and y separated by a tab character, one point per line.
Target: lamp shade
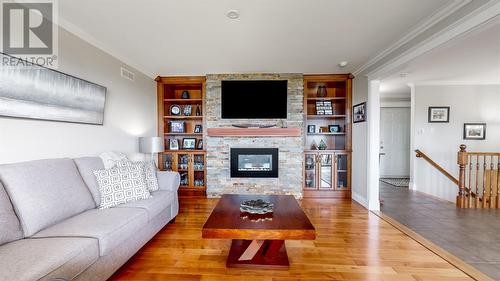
151	145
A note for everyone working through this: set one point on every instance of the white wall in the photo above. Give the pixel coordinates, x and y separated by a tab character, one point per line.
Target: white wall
130	111
441	141
360	144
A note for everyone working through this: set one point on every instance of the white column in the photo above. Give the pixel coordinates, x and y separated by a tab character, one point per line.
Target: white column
413	158
373	113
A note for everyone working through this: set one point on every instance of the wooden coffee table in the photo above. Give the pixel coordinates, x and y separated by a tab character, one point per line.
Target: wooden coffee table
258	241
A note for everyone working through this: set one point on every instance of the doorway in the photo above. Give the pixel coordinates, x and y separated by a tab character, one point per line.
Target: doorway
395	128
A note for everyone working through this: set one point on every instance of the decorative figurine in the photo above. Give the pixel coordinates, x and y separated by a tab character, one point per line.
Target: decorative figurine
185	95
322	145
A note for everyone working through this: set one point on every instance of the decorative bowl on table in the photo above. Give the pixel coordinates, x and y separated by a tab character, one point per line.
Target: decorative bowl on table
258	206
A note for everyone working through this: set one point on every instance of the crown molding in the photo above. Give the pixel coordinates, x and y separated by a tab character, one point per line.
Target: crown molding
75	30
418	29
456	83
476	19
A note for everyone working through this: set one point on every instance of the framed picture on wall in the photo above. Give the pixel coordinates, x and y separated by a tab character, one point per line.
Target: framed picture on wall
474	131
359	113
439	114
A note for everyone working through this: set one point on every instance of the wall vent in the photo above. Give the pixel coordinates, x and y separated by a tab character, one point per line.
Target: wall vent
127	74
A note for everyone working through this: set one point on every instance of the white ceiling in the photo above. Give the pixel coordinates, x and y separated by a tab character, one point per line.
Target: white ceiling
471	59
194	37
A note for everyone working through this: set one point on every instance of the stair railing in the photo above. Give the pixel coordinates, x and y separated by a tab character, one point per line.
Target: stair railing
478	180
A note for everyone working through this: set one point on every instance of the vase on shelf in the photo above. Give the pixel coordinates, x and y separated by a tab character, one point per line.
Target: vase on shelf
185	95
321	93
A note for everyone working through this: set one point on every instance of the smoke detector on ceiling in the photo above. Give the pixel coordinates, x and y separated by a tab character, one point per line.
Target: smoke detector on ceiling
233	14
343	63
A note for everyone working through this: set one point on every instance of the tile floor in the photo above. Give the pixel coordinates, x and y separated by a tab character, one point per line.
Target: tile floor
470	234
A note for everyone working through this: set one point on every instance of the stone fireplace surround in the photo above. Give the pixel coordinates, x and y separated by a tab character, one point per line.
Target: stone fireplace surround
291	149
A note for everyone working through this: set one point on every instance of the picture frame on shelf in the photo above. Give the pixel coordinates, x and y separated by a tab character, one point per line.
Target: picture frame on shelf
439	114
323	129
173	144
311	129
359	113
327	105
334	128
199	145
177	127
198	129
188	110
189	143
474	131
324	108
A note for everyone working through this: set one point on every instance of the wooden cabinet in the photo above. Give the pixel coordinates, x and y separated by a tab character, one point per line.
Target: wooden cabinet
326	171
327	155
181	115
190	165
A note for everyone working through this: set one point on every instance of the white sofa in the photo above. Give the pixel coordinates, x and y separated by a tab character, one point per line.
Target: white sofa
50	226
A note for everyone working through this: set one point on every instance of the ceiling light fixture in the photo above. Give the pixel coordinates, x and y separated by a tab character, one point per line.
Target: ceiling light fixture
233	14
343	63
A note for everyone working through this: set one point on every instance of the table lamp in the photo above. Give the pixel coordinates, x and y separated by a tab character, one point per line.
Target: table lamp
151	145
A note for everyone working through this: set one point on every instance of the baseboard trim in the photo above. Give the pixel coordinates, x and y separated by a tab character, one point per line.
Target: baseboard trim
360	199
451	259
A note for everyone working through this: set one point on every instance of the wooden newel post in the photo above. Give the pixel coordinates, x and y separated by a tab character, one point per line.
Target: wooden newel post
462	199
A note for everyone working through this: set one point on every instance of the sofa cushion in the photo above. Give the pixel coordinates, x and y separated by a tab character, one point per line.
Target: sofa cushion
149	169
120	185
110	158
110	226
159	201
10	229
45	192
86	166
43	259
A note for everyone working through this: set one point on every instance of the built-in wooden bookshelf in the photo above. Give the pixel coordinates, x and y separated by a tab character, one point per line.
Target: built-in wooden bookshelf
327	102
183	93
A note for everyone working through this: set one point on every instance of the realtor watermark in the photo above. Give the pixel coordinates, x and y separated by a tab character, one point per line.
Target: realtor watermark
29	33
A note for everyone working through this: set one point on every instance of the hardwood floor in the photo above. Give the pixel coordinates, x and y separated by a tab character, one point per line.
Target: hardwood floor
351	244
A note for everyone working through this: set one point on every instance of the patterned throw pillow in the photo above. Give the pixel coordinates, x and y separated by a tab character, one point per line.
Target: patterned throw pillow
149	168
121	185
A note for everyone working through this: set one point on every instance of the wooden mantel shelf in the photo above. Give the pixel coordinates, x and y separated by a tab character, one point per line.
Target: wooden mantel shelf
254	132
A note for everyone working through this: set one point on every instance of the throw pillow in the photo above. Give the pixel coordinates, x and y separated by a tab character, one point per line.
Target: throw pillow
149	168
121	185
111	157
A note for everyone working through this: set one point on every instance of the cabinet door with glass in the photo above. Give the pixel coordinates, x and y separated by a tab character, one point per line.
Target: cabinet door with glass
184	168
342	171
311	173
198	170
325	170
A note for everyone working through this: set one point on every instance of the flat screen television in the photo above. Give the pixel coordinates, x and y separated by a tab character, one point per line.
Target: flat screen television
254	99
